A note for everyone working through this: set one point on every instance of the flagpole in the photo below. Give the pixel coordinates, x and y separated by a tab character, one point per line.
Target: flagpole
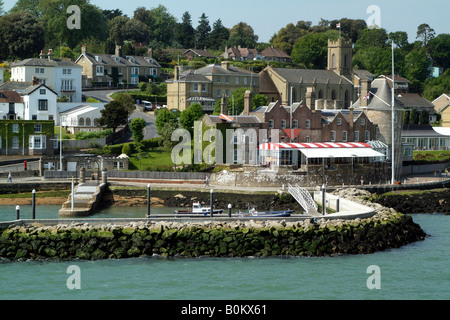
290	125
393	117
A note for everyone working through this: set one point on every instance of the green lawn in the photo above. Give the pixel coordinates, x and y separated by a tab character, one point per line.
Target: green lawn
153	160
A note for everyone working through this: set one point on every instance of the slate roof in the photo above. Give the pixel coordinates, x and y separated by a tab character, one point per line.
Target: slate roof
38	62
110	60
382	91
414	100
310	75
274	52
10	96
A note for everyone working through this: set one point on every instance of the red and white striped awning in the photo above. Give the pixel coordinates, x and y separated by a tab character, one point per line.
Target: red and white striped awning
326	149
225	117
277	146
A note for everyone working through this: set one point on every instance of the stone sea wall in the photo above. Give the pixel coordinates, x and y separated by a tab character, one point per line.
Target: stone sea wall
209	238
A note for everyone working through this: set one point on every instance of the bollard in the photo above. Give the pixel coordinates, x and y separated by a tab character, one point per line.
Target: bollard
229	210
33	205
211	203
148	200
324	206
337	204
17	212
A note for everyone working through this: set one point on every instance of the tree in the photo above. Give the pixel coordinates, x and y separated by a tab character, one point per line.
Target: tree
21	36
424	117
414	117
202	31
137	126
113	115
30	6
289	35
218	36
236	102
185	34
440	50
406	117
372	38
311	50
54	17
161	25
400	38
190	115
242	35
126	101
425	33
417	64
166	122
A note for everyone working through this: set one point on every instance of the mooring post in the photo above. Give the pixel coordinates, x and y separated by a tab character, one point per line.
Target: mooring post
33	205
337	204
211	203
324	205
148	200
229	210
72	195
17	212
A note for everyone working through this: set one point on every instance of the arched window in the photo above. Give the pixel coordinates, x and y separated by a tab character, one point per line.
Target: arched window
320	94
88	121
81	122
333	61
333	95
345	61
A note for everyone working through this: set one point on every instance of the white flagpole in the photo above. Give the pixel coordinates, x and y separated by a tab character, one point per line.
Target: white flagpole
393	117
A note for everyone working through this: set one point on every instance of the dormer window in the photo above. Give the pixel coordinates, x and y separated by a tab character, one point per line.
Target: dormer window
98	58
131	59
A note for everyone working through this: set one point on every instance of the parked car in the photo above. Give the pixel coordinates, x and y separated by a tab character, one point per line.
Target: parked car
148	106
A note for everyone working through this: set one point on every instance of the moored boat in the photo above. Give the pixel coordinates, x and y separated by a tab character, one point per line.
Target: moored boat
197	208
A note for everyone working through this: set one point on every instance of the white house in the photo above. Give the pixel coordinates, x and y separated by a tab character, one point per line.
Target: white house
62	75
1	75
81	117
39	103
11	105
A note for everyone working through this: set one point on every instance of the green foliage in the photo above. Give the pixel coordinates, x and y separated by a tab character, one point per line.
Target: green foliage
312	51
191	114
137	126
87	135
166	122
113	115
434	87
127	149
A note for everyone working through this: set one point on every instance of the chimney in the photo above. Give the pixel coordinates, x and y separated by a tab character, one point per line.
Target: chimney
83	49
42	55
365	88
34	81
226	65
351	117
310	97
224	105
150	53
50	54
118	50
247	103
176	73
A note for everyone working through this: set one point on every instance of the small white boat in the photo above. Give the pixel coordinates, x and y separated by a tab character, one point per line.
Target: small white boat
197	208
255	213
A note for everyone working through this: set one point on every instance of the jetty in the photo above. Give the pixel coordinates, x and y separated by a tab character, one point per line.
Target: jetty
83	200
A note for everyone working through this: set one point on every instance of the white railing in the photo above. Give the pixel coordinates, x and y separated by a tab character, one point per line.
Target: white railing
304	198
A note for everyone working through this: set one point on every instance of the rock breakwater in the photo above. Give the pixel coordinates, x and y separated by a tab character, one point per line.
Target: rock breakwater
209	238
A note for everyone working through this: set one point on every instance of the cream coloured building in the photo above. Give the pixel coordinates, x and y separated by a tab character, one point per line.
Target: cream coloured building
207	85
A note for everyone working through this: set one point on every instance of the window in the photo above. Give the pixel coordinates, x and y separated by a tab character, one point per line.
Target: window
339	121
39	70
99	70
245	80
356	136
81	121
308	124
15	142
42	91
237	80
283	124
34	117
43	105
367	136
307	139
363	121
295	124
195	86
203	87
333	136
67	71
134	80
66	85
37	127
344	136
134	70
270	124
218	93
37	142
15	128
227	80
218	79
88	121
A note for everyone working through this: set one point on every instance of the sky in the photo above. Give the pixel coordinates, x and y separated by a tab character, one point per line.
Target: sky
267	17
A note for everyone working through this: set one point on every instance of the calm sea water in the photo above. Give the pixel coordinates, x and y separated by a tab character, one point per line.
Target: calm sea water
416	271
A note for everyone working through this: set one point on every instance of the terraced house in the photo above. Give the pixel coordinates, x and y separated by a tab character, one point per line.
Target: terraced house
207	85
116	69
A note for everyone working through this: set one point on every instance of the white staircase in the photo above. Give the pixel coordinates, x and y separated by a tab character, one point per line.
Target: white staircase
304	198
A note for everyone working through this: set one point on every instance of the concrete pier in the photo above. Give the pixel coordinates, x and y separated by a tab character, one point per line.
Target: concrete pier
86	198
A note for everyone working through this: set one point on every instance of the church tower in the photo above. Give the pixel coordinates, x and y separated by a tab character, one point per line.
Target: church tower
340	57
